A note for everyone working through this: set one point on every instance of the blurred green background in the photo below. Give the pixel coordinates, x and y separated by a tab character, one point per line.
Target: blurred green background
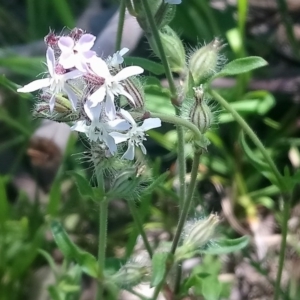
36	156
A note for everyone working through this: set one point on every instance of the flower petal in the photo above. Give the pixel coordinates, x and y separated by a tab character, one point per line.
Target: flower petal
127	72
110	142
50	61
71	95
150	123
66	43
67	60
52	102
110	108
71	75
80	126
123	51
119	137
35	85
129	154
92	111
99	67
127	116
85	42
98	96
127	95
119	124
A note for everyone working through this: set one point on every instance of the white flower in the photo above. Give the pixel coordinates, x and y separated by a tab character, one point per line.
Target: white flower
76	54
117	58
173	1
99	129
56	83
111	87
136	135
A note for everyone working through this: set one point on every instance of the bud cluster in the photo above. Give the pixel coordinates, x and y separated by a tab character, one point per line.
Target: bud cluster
82	88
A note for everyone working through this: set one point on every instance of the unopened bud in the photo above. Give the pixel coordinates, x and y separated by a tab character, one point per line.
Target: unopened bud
125	184
173	47
200	113
130	275
134	88
204	62
198	235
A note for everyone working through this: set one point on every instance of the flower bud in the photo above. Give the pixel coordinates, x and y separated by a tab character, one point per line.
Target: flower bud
200	113
198	235
134	88
125	184
129	275
204	62
173	47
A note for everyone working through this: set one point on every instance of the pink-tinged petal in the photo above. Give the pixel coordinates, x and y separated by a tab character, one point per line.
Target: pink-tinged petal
67	60
35	85
71	95
66	43
71	75
129	154
119	124
98	96
80	65
110	142
99	67
151	123
50	61
80	126
52	102
127	116
127	72
85	43
88	55
119	137
93	112
110	108
143	149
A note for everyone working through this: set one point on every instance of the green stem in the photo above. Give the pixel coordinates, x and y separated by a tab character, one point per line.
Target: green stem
284	231
120	25
172	119
252	136
188	200
160	48
181	165
103	216
139	225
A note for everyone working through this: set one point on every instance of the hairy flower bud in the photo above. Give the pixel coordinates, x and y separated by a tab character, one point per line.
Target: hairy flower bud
198	235
200	113
134	88
204	62
129	275
124	184
173	47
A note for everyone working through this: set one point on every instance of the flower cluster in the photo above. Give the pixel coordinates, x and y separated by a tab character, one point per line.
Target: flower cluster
93	88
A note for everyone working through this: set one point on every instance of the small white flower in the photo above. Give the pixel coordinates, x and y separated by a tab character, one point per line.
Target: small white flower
111	87
76	54
117	59
56	83
99	129
136	135
173	1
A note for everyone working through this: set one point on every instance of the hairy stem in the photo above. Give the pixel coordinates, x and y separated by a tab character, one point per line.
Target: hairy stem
139	225
120	25
103	215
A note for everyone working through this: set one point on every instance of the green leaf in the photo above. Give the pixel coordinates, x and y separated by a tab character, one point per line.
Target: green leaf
211	288
159	180
227	246
83	186
50	261
160	261
4	207
241	65
85	260
146	64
